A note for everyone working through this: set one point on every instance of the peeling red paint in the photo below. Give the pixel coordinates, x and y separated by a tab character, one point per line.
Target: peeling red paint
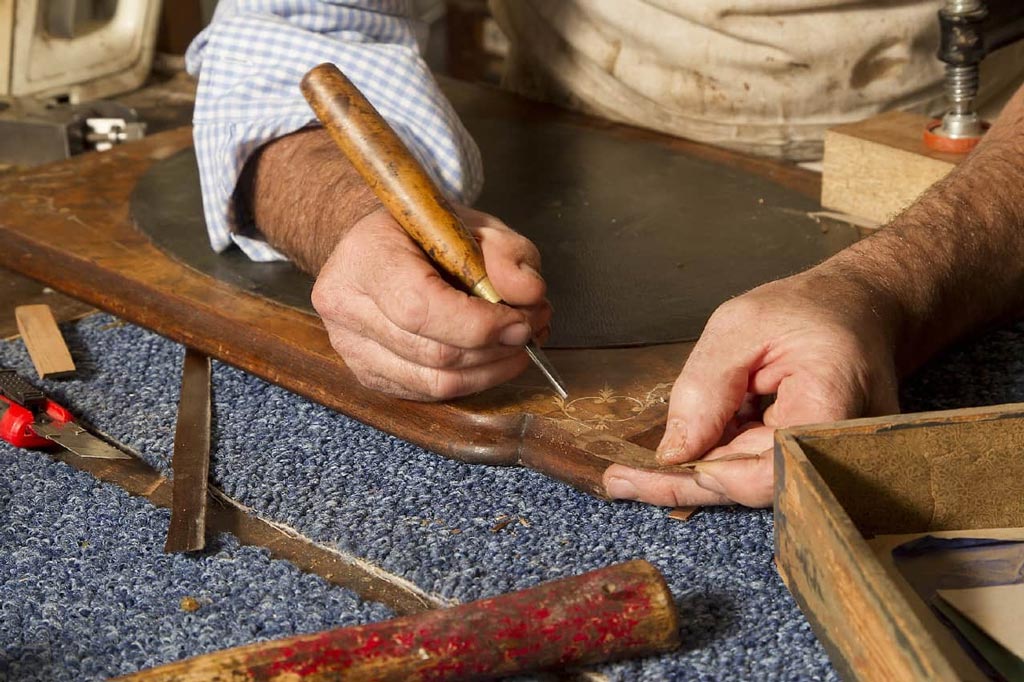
584	618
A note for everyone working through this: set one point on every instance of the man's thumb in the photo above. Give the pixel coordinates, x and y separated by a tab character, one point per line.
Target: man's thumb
703	401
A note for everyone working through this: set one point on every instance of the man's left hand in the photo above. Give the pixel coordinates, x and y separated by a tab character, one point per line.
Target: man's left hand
818	341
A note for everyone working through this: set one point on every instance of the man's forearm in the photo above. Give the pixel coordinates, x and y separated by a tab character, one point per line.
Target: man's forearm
303	194
953	261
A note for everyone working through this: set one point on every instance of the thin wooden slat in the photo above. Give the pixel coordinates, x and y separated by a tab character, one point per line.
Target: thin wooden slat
16	290
682	513
45	344
191	461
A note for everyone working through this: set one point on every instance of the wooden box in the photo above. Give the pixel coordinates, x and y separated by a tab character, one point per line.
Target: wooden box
841	484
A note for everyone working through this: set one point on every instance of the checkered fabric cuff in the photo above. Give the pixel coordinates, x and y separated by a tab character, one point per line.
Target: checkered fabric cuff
249	62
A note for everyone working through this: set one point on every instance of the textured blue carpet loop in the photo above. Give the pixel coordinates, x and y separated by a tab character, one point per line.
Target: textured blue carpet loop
86	592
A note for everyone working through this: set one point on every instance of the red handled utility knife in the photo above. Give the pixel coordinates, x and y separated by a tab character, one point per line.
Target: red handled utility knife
28	419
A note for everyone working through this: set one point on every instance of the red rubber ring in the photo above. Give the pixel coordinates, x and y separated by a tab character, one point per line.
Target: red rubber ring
957	145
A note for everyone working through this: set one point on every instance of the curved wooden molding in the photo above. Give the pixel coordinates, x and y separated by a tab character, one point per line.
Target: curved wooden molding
68	225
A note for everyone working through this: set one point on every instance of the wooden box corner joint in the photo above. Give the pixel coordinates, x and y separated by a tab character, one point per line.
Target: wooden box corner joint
840	487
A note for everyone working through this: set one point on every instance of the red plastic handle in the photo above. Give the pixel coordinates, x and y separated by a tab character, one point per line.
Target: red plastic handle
16	423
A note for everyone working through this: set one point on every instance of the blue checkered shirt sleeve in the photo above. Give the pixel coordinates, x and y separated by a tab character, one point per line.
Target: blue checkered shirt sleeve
249	62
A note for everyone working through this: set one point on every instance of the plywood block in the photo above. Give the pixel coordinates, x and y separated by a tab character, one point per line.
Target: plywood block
44	342
875	168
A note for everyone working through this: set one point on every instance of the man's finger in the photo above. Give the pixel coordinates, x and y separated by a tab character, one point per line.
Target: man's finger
747	481
366	319
707	394
729	474
378	368
664	490
809	399
382	262
513	265
752	437
423	304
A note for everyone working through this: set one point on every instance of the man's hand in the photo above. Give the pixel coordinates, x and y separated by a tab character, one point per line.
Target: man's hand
402	329
814	341
399	326
831	342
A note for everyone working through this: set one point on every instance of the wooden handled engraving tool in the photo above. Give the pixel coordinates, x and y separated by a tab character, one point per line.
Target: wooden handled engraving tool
404	188
621	611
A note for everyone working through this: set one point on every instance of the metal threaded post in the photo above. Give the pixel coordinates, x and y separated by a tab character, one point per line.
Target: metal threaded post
961	82
961	90
961	87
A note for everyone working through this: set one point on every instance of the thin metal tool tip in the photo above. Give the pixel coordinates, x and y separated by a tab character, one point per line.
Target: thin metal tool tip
547	369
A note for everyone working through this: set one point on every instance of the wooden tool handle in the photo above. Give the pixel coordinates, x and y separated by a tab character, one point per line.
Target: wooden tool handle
396	177
611	613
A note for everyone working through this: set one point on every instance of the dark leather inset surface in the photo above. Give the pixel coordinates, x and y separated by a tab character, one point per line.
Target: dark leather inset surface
167	206
640	243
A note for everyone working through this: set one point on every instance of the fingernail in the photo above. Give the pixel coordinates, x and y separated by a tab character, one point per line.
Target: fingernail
621	489
669	456
517	334
672	444
530	270
707	481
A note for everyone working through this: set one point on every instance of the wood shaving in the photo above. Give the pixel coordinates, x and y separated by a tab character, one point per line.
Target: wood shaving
189	604
682	513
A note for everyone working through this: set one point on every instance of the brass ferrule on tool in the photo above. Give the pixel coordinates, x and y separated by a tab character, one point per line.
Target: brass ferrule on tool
485	290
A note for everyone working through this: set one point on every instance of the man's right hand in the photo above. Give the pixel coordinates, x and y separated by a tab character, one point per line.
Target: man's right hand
404	330
399	326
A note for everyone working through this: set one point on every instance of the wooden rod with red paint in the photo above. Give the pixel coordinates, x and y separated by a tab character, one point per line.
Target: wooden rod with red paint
621	611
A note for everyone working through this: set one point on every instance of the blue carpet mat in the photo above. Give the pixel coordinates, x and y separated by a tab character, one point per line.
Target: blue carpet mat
342	483
86	591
